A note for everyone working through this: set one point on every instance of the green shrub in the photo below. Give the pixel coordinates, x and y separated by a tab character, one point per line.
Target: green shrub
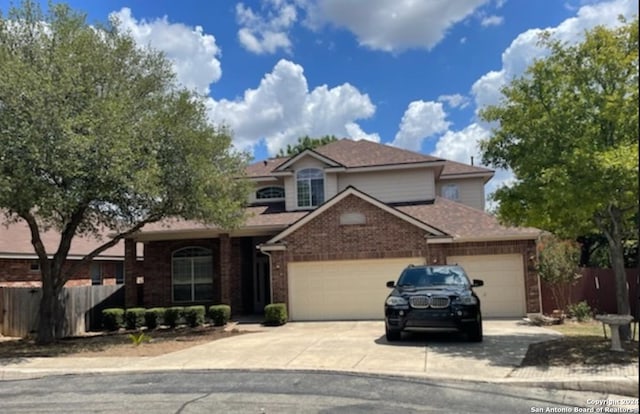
220	314
112	318
275	314
172	315
194	315
581	311
152	317
134	318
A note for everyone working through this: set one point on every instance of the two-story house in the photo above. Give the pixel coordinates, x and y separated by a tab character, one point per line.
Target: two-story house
328	227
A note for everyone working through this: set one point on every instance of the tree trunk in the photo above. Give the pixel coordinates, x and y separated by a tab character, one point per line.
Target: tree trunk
51	313
616	255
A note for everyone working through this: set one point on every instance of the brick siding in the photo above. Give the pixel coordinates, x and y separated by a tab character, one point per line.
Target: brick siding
18	273
383	236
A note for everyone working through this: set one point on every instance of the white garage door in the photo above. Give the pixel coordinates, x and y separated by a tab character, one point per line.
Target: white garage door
503	292
343	289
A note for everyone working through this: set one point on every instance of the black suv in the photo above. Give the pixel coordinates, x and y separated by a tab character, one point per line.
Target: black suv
433	298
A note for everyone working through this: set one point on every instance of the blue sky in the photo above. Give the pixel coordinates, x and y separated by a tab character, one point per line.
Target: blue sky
408	73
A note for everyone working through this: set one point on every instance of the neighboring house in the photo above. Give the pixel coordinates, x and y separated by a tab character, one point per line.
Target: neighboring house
19	266
326	229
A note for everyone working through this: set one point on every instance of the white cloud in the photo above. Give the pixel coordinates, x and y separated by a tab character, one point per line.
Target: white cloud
420	121
491	21
455	100
193	53
463	144
355	132
266	33
524	48
391	25
282	109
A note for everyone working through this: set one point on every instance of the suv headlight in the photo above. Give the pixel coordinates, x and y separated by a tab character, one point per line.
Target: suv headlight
396	301
467	300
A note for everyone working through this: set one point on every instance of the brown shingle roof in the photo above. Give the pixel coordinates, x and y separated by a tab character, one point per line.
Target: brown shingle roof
455	168
366	154
256	216
464	222
15	239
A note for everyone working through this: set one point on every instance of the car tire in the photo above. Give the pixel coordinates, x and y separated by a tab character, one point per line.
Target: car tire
474	331
392	335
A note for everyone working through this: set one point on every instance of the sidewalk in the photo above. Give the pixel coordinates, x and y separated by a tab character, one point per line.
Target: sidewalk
360	348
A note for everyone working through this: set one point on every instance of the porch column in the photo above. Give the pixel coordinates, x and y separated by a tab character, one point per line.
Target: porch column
225	269
130	285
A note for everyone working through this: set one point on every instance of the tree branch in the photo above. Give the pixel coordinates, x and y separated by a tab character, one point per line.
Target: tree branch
86	259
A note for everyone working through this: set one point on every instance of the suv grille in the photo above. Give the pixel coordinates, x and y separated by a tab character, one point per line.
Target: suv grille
422	302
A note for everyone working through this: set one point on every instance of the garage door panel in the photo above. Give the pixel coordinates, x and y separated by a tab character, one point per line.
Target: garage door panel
503	292
341	290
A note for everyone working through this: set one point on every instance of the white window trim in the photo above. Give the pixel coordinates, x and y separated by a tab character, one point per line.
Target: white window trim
444	188
324	190
268	200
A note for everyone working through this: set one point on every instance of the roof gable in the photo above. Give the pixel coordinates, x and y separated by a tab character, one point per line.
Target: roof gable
306	153
357	193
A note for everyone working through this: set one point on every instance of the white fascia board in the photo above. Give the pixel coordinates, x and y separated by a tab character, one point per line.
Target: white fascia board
395	166
439	240
307	152
497	238
262	179
265	247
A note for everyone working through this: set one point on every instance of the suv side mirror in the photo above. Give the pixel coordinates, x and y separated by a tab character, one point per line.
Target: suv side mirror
477	283
391	284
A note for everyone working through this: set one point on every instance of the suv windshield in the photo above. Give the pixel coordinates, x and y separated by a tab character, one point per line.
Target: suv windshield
433	276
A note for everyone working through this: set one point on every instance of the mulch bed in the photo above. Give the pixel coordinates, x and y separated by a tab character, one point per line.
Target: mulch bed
581	350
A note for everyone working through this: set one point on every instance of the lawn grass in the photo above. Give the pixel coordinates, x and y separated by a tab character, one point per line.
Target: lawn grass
587	328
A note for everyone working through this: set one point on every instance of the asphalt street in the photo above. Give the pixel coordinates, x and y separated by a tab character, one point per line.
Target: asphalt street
265	391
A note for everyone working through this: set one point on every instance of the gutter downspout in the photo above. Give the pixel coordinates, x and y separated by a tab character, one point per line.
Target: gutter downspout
270	273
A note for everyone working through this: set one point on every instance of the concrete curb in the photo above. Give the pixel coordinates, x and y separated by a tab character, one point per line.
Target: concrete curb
622	386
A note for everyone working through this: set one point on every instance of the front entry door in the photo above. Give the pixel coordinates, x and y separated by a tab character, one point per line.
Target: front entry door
261	284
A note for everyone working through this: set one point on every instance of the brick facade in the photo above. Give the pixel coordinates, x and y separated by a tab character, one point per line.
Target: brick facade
383	236
227	261
18	273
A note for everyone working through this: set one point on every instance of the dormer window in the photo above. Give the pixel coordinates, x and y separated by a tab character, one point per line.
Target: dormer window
450	192
310	184
270	194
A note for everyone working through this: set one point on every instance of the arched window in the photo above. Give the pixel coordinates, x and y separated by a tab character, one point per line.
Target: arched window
192	274
270	193
310	183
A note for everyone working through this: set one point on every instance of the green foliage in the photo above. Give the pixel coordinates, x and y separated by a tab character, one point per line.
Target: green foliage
97	136
275	314
152	317
220	314
304	143
112	318
568	129
581	311
194	315
139	338
134	318
172	315
558	266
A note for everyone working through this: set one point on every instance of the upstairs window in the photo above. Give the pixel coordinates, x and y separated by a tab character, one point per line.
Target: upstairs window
450	191
270	194
310	183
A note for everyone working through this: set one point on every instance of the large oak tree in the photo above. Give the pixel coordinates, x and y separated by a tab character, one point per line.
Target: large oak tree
568	129
97	137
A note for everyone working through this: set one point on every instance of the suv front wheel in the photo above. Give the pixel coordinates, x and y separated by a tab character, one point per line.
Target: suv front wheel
392	335
474	330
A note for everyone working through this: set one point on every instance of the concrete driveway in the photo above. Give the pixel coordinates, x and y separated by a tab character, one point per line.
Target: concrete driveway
360	346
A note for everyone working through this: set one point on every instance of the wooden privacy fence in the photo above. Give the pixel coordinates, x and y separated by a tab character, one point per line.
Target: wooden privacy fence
84	304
